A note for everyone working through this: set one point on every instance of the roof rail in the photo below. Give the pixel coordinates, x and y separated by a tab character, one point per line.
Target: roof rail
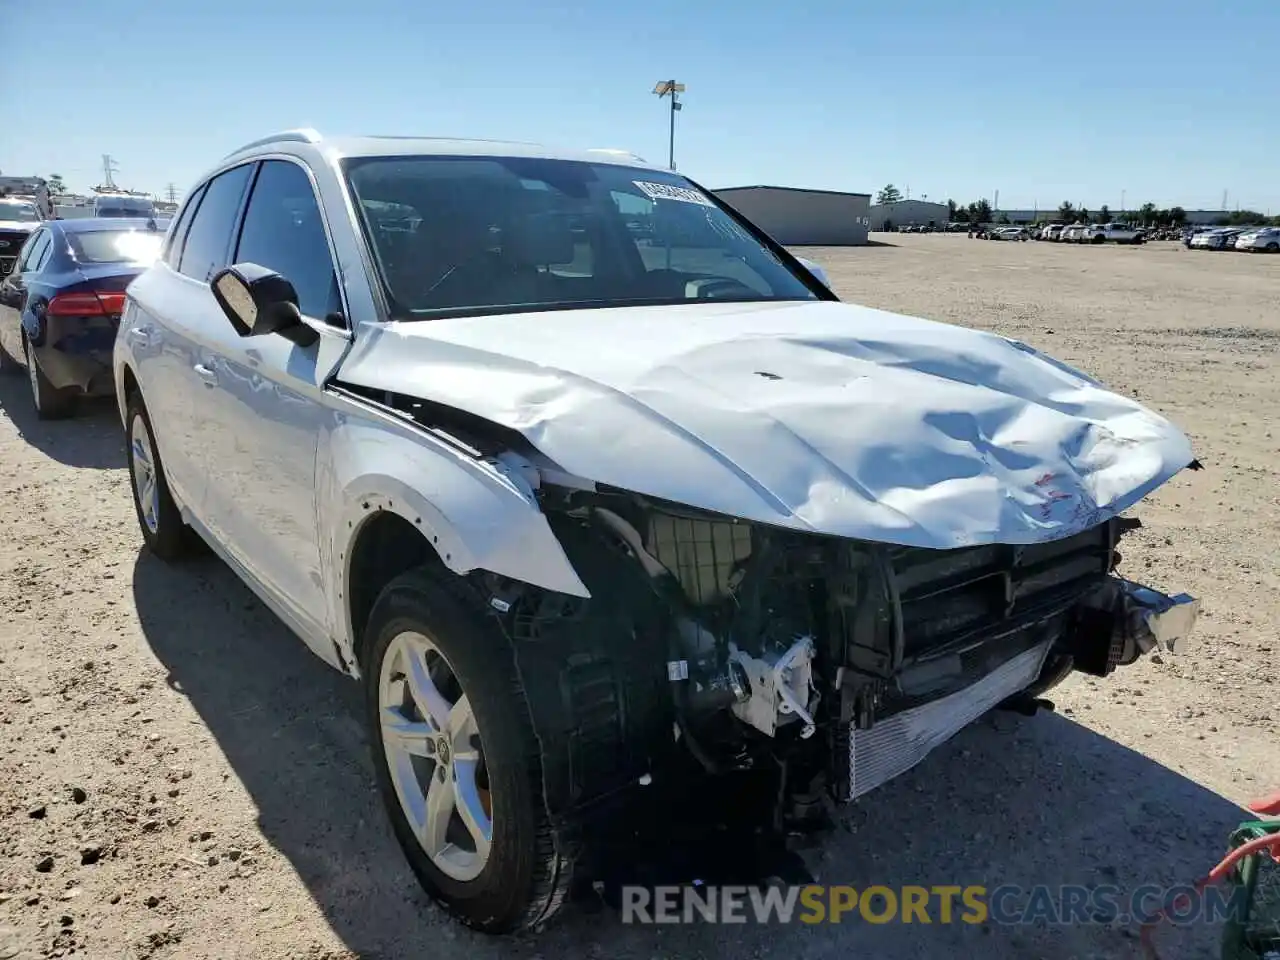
618	153
301	135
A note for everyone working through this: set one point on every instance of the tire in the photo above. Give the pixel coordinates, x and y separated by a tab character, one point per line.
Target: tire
159	519
1273	247
50	402
1098	238
517	880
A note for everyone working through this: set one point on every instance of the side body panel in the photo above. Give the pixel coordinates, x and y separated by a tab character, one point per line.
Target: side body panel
476	514
266	419
158	341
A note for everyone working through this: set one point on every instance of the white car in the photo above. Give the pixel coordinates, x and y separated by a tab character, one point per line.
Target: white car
1112	233
598	520
1073	233
1009	233
1265	240
18	218
1052	232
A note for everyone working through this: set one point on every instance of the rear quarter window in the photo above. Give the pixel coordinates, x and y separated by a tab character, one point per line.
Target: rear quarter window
173	250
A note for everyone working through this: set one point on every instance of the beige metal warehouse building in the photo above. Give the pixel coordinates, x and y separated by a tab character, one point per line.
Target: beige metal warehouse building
796	216
906	213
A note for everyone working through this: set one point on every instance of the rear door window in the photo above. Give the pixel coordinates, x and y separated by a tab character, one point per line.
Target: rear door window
209	239
36	247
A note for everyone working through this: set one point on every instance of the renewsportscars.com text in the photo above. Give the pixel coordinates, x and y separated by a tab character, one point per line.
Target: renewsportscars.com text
941	904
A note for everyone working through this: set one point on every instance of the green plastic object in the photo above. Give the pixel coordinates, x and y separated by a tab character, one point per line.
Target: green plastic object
1253	932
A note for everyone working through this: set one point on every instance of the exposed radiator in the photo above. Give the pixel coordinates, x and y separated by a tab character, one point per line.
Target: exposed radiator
896	744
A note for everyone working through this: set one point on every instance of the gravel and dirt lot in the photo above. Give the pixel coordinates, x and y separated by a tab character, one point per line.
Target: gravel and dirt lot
180	778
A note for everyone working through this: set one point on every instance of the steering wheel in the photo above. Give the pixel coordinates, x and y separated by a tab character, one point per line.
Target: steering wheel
723	287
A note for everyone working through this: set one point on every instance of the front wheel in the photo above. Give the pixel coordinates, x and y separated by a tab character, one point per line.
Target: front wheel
456	759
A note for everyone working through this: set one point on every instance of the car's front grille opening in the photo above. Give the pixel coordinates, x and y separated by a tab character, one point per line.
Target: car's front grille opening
947	594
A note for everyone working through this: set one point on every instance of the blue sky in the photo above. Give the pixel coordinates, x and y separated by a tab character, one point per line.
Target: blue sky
1171	101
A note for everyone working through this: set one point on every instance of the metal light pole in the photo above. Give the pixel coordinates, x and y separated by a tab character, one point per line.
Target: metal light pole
670	88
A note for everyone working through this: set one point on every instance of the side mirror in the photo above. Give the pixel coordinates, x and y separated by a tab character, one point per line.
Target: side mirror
816	270
259	301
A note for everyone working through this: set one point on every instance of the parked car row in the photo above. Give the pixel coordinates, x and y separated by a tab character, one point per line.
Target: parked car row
1246	239
985	231
1090	233
505	492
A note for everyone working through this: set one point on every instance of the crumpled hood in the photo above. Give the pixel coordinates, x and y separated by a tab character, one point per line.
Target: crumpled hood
817	416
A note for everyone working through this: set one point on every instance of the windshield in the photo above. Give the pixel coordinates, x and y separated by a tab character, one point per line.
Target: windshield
116	246
494	234
15	210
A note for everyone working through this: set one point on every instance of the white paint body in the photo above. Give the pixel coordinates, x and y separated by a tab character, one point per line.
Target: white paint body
819	416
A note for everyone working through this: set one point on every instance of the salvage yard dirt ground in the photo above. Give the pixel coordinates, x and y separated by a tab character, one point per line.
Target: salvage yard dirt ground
179	778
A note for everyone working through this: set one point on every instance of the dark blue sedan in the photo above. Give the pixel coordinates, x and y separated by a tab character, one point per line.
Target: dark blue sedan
61	304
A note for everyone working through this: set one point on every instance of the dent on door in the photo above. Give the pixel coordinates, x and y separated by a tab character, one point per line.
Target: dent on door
268	417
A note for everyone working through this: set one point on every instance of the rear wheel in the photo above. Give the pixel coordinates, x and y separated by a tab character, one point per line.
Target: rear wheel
163	530
50	402
1098	238
457	761
1273	247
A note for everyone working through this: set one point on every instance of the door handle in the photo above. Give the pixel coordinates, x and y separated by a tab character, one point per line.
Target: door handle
140	335
206	374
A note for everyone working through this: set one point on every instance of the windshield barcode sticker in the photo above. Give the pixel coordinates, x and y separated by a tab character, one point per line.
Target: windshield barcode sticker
665	191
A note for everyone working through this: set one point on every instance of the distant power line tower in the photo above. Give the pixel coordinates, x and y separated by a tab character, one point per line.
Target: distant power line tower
171	193
109	167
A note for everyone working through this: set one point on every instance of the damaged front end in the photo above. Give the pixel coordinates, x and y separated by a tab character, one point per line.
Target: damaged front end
709	647
718	646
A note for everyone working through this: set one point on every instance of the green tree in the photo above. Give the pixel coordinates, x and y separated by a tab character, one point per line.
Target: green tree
888	194
1177	216
951	210
56	183
1082	215
1147	214
961	215
1066	212
980	212
1103	215
1244	218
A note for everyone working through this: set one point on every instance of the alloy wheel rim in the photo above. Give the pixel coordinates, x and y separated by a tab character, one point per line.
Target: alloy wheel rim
435	756
145	487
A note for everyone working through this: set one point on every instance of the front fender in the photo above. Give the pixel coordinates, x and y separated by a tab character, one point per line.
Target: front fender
473	512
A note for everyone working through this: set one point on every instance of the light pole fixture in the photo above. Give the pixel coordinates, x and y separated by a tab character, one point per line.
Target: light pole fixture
665	88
